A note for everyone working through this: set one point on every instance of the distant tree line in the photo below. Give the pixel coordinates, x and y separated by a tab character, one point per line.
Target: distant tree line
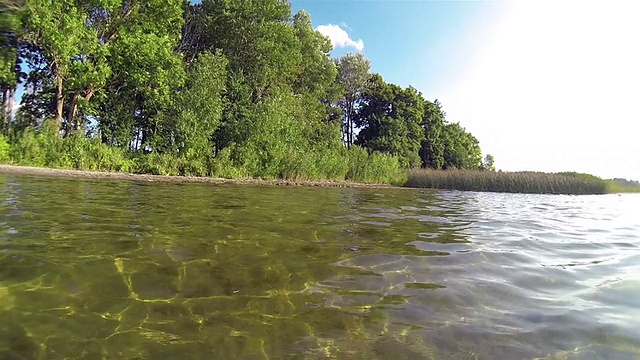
241	83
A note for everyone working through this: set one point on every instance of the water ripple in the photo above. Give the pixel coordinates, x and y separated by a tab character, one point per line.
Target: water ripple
123	270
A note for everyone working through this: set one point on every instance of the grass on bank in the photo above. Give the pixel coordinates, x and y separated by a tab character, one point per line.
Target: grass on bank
43	148
514	182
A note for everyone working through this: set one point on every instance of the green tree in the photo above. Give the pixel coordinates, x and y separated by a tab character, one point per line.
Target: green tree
315	75
488	163
316	72
351	82
10	31
461	148
55	30
79	44
146	71
255	36
236	87
197	110
263	51
433	145
389	118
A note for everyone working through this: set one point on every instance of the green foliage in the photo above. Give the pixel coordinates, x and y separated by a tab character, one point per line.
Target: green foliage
85	49
461	149
11	26
157	164
57	36
45	148
10	30
262	158
374	167
93	155
612	185
33	148
256	37
389	118
351	82
488	163
224	166
190	124
5	150
316	71
433	145
512	182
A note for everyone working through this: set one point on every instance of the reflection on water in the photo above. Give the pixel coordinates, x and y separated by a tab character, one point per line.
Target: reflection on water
120	270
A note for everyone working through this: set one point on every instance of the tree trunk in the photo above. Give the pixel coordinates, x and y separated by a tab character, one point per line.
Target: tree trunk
11	92
71	114
5	102
59	101
3	115
349	124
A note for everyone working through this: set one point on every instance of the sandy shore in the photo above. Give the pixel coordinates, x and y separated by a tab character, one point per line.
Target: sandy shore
36	171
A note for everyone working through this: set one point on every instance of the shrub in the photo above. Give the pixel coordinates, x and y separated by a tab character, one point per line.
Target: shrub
5	150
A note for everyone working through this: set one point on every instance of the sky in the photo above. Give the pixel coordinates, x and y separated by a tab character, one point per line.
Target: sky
544	85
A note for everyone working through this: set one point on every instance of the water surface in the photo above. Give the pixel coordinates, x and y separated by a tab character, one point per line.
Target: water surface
125	270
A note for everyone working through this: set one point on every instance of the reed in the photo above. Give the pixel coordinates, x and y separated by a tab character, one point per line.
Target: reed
511	182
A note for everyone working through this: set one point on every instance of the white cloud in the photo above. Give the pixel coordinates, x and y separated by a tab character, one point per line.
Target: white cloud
339	37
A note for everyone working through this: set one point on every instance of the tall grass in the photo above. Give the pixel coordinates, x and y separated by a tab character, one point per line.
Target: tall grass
511	182
374	167
44	148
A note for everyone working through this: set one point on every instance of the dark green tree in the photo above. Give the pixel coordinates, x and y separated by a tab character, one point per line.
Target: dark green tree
389	119
433	145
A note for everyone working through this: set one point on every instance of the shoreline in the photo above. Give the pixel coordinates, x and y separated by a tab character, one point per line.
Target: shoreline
101	175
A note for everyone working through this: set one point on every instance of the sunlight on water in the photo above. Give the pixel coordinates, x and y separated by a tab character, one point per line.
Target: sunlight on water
122	270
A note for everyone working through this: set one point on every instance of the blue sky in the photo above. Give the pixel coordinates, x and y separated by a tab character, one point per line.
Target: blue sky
419	43
544	85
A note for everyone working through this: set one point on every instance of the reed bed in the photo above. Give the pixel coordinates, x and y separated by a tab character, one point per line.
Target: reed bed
511	182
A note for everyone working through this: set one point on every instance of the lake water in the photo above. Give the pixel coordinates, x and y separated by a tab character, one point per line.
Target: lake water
124	270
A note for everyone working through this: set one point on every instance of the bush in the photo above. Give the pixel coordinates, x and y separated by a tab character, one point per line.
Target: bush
5	150
33	148
157	164
223	166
